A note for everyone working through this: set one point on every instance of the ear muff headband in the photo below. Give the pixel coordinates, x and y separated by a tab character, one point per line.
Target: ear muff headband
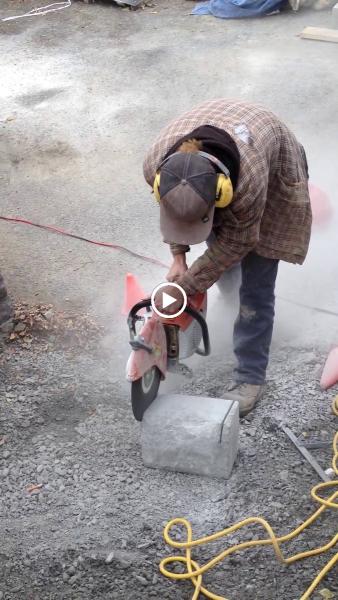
216	162
224	189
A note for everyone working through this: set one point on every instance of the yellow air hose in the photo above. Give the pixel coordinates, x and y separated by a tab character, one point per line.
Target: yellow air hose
194	572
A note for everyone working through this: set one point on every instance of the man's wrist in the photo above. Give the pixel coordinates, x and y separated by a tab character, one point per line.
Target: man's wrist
180	258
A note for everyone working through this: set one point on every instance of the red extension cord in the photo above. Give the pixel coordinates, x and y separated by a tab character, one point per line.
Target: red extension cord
154	261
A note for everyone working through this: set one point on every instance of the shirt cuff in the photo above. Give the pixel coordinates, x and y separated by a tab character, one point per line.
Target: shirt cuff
179	249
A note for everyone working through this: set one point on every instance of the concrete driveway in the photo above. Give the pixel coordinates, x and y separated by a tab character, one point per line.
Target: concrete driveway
84	92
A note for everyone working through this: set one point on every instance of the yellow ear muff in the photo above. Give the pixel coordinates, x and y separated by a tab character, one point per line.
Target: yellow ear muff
224	191
156	187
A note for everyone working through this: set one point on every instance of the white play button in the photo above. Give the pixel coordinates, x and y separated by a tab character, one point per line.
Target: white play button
167	300
160	300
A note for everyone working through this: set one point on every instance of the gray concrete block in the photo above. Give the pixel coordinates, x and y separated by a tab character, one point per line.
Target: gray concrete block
191	434
335	16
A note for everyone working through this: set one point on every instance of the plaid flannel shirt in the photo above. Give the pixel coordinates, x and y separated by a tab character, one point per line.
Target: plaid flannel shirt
270	213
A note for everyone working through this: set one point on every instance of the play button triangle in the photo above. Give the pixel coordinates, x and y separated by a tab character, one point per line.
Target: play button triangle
167	300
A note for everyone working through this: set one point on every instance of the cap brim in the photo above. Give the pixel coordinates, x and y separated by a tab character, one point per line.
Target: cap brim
179	232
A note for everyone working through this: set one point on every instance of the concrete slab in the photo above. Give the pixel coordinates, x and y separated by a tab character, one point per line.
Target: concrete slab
191	434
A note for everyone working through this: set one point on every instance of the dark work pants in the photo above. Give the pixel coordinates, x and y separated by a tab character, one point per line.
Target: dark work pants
254	324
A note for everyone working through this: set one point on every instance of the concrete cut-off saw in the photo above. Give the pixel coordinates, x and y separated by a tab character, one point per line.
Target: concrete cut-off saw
159	345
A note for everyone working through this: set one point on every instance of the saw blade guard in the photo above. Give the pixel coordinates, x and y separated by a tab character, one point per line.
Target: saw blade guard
190	338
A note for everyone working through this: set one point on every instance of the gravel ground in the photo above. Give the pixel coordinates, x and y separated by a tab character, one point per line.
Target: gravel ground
87	88
92	528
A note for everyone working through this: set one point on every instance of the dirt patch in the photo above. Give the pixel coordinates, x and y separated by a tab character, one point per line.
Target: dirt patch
41	159
42	324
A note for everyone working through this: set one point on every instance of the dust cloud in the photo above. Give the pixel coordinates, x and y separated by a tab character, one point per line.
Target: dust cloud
315	283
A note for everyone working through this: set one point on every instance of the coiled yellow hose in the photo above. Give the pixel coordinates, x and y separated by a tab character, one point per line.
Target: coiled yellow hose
194	572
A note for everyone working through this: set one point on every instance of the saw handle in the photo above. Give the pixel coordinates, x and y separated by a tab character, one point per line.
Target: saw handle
133	317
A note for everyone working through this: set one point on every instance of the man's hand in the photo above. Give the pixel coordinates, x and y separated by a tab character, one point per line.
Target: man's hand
175	306
178	268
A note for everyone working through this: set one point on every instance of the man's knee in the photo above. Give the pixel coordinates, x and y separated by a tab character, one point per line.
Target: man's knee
247	314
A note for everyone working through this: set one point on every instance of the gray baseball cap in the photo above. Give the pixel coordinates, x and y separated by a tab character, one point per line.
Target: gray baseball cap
188	193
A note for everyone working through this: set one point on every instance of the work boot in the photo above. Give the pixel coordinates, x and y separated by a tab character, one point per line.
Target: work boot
247	396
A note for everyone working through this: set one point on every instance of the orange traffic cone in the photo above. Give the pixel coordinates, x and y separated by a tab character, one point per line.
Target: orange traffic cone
133	293
330	371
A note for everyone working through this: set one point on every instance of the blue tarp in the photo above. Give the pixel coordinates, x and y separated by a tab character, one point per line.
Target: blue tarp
237	9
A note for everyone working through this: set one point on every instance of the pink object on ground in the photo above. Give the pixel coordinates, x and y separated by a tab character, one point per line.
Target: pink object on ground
133	293
322	210
330	371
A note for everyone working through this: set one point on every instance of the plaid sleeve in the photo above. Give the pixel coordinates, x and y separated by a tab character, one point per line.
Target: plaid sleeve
179	248
149	169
